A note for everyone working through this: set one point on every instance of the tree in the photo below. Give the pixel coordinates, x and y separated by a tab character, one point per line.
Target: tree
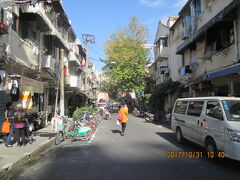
127	59
110	88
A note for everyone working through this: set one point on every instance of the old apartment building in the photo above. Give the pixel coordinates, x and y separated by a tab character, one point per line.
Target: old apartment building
203	46
38	48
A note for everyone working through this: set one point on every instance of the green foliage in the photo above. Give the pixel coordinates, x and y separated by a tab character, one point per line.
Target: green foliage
159	94
124	48
147	98
81	110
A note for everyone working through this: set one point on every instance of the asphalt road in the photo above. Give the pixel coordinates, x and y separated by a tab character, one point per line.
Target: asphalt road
141	154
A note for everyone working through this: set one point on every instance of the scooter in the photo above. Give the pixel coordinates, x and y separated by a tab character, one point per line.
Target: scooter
106	114
149	117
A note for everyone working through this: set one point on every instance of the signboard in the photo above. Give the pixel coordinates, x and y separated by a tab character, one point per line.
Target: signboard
32	85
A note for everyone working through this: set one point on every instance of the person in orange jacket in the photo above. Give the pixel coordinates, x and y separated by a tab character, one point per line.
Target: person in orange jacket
124	112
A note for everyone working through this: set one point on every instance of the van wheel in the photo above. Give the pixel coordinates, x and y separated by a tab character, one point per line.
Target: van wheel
211	146
179	136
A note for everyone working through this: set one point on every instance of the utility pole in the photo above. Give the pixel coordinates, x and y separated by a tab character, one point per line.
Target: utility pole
87	38
61	82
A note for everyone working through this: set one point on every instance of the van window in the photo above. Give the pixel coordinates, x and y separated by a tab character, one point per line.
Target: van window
214	110
232	109
195	108
181	107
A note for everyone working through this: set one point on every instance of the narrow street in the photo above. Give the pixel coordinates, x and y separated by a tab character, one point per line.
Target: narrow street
141	154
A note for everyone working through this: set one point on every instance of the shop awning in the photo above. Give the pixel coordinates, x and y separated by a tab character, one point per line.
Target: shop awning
224	71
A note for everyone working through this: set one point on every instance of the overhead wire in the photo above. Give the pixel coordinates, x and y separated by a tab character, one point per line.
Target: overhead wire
97	50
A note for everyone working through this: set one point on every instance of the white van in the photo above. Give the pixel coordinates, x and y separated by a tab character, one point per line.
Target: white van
212	122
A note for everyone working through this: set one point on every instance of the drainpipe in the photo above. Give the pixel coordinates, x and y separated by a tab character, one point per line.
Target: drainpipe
236	39
40	53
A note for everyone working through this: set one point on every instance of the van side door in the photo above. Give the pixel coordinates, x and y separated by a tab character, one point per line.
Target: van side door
213	123
194	112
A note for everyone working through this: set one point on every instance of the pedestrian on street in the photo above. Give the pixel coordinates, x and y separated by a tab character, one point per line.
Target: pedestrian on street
19	126
123	112
9	116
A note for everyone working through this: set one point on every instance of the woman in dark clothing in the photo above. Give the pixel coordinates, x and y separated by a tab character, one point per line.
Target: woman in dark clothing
19	126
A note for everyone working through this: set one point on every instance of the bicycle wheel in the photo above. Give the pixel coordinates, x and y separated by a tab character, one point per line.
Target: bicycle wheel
59	138
87	136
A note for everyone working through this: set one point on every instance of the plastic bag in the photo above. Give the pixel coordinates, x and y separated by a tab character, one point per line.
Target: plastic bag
118	123
120	117
6	127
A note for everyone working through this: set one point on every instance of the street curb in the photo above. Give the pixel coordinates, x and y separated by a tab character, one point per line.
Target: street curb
15	169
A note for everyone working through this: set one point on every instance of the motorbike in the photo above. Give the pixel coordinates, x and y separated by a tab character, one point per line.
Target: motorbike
149	117
138	113
106	114
37	119
142	114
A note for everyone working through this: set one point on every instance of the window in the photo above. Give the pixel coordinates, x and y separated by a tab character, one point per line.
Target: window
15	23
181	107
1	14
197	8
163	42
195	108
214	110
232	109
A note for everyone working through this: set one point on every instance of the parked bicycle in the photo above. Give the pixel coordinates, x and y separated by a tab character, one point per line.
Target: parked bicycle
75	132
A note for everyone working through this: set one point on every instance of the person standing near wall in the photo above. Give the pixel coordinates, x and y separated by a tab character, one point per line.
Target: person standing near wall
19	126
9	116
124	112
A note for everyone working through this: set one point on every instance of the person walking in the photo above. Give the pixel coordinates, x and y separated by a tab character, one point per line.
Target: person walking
123	111
19	126
9	116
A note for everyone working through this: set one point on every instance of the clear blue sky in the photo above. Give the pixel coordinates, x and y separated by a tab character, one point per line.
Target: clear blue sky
102	17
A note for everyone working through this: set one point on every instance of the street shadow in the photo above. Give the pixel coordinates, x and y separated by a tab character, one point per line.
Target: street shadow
116	131
186	146
44	134
95	158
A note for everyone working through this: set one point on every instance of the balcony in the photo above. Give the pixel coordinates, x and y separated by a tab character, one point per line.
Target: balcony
72	58
161	53
50	18
3	28
48	62
22	51
74	81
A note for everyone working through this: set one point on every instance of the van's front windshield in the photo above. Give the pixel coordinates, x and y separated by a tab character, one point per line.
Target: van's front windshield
232	109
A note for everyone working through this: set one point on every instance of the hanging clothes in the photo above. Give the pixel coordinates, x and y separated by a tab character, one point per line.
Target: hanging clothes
14	88
14	92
